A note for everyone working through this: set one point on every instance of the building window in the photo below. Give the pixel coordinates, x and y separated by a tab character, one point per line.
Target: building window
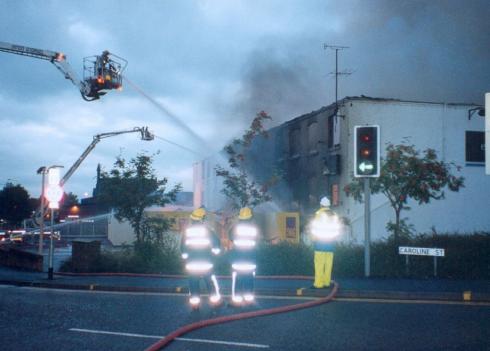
313	191
313	134
294	142
475	147
333	128
335	195
294	172
291	227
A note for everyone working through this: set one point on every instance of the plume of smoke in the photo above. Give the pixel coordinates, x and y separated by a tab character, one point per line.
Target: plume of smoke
283	87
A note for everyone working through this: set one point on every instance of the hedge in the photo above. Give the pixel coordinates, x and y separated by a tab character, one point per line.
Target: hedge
466	257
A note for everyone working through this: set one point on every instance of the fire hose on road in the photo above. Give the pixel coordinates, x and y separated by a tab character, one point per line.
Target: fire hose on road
225	319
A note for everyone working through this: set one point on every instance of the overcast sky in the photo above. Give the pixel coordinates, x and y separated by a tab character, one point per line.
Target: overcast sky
213	65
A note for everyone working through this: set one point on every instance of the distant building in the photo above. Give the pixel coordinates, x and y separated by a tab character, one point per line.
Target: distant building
90	206
314	152
97	221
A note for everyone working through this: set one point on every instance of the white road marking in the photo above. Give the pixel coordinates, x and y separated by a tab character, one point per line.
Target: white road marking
116	333
207	341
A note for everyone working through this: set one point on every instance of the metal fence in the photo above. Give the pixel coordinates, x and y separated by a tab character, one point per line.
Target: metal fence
93	228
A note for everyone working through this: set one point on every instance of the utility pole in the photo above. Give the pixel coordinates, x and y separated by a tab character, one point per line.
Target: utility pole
42	171
337	73
487	133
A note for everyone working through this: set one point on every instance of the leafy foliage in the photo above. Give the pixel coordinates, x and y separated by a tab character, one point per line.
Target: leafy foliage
69	200
131	187
144	257
466	258
408	174
238	187
284	259
405	230
15	204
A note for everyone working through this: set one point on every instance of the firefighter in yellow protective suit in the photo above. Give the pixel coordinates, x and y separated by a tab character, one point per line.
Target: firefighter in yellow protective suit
243	258
325	229
199	245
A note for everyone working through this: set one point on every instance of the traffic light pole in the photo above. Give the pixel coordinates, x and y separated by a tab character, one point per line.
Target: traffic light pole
367	164
367	227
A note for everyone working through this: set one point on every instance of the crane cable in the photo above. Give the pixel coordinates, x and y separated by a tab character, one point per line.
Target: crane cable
208	322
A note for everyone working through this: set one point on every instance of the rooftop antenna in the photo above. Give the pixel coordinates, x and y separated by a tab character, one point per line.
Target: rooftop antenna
337	73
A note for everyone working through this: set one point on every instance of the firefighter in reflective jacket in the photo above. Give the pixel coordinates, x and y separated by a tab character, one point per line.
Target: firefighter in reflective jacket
325	229
244	239
198	246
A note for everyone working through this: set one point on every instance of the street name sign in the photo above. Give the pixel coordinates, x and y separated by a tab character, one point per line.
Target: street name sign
420	251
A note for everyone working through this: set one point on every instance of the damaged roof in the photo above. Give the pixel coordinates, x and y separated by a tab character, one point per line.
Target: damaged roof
331	108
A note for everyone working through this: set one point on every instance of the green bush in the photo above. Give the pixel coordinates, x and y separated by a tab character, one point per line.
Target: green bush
284	259
348	261
143	258
466	257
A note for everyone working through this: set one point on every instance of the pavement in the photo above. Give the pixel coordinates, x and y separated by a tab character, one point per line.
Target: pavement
368	288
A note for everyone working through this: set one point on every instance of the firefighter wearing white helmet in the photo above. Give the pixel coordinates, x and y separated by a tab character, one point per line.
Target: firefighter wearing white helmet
243	258
325	229
198	246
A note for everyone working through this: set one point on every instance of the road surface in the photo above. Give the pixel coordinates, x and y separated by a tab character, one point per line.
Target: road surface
48	319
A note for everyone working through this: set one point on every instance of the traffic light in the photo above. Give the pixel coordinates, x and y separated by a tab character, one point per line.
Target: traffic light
366	151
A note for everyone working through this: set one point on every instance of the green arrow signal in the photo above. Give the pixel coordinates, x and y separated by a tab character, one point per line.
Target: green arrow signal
366	167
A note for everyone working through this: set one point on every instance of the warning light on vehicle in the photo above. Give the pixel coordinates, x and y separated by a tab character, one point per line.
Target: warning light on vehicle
60	56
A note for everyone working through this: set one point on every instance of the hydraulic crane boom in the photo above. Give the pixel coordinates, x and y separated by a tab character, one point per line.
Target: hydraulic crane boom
145	135
31	52
101	73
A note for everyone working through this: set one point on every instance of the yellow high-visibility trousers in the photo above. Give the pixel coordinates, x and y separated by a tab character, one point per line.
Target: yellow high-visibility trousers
323	268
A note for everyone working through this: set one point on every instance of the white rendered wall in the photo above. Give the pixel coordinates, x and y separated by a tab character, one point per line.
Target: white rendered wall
438	126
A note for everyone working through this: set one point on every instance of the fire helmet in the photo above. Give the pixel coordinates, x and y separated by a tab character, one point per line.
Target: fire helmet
325	202
198	214
245	213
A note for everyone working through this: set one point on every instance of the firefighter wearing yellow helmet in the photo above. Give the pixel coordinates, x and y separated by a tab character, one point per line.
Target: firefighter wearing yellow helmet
325	229
199	245
243	257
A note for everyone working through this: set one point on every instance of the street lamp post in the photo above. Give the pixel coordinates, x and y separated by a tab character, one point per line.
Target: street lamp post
54	194
50	269
42	171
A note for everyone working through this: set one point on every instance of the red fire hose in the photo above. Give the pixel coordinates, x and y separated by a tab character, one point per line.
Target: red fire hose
208	322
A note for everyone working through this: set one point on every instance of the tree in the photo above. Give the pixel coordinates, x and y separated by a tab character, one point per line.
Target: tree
238	185
405	174
69	205
69	200
131	187
15	204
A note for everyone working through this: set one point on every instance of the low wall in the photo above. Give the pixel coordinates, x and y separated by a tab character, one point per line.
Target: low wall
16	258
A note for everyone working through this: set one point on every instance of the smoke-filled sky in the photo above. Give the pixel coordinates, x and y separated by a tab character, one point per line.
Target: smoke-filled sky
213	65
